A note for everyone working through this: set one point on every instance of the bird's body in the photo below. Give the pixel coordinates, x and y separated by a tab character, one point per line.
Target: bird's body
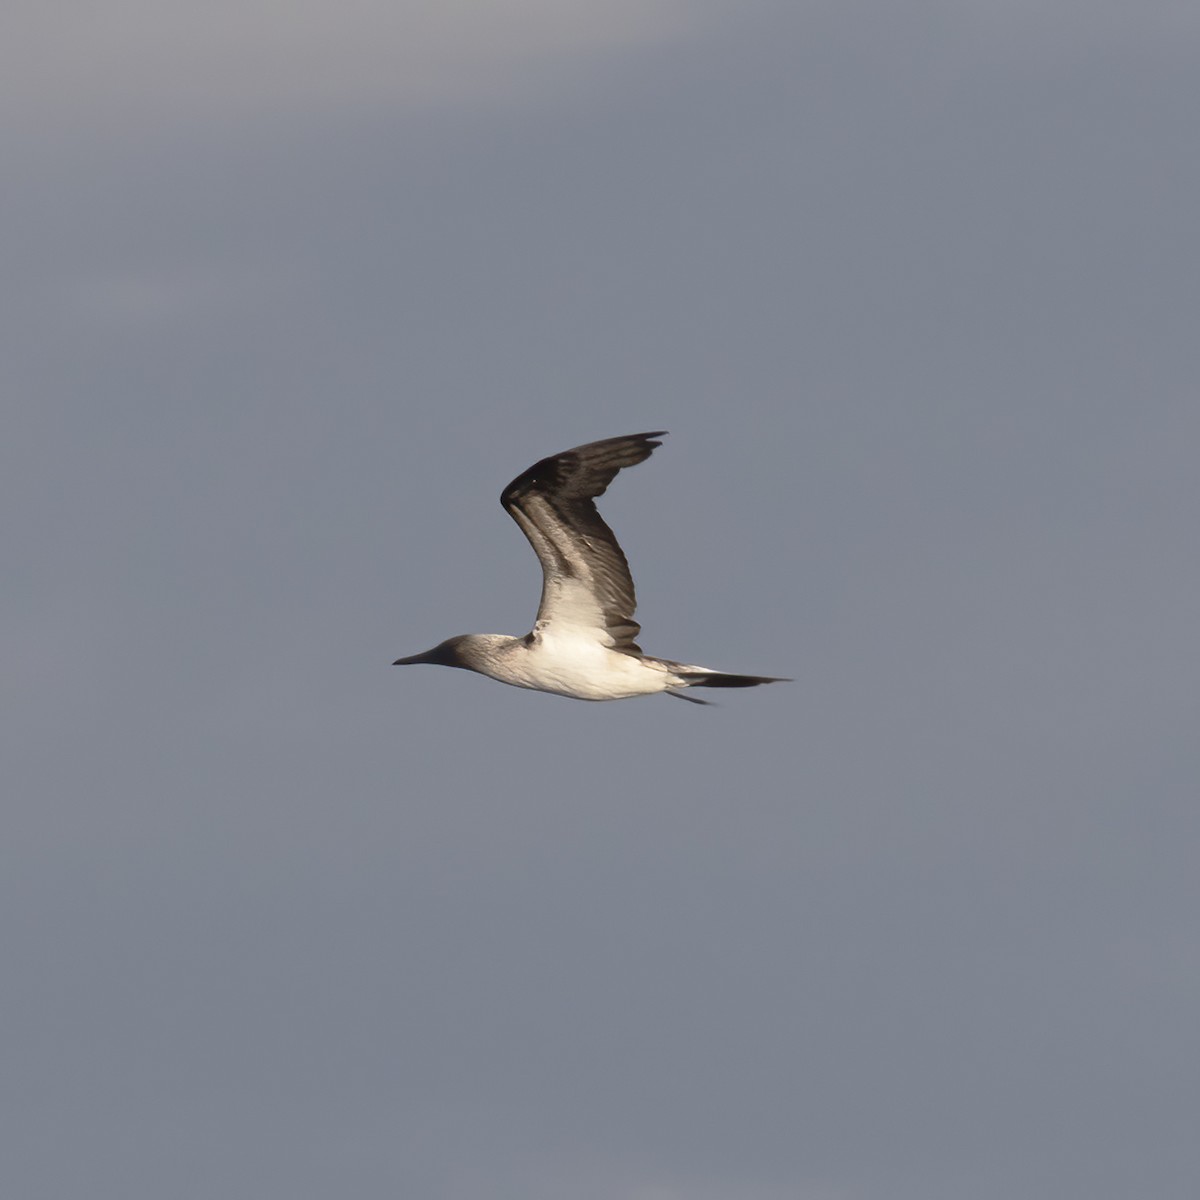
582	644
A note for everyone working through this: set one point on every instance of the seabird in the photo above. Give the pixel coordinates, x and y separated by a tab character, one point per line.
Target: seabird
582	643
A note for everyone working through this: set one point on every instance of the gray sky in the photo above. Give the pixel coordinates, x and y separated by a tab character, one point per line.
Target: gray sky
291	292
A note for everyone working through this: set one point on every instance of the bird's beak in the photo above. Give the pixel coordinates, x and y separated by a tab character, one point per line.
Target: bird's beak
425	657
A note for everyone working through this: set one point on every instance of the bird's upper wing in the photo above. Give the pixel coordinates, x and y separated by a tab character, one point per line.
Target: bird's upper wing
586	583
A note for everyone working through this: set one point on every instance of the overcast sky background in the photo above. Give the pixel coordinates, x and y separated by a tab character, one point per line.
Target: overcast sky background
291	291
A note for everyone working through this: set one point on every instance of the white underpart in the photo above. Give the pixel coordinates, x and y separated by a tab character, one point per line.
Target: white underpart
574	662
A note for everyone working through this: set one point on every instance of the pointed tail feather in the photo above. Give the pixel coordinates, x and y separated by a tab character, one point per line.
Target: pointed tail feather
722	679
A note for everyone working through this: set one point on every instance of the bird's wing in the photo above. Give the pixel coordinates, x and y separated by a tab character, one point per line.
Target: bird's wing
586	585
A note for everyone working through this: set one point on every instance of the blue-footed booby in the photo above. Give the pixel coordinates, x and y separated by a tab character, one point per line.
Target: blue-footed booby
582	643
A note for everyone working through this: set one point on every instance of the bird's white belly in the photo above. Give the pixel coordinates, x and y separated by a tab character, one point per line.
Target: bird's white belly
583	669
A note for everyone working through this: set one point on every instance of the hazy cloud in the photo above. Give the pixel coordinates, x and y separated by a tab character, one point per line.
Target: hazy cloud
135	61
139	59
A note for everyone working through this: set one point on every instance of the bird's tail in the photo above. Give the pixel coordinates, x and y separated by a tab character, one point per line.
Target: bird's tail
724	679
690	676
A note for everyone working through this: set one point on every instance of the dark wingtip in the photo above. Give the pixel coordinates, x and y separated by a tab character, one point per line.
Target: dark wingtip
649	437
593	466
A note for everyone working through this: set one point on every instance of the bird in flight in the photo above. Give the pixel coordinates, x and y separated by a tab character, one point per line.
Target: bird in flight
582	643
